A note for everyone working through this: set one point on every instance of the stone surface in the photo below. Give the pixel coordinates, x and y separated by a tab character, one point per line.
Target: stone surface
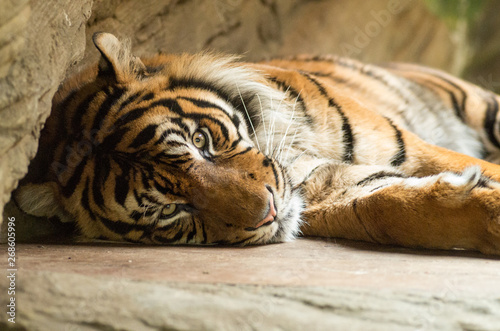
304	285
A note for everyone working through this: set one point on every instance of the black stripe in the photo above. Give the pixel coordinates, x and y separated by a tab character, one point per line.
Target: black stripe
138	198
233	100
150	70
144	179
275	173
204	232
484	182
179	122
348	137
173	106
71	184
132	115
80	110
236	142
175	238
490	120
149	212
85	200
120	227
246	150
459	109
400	157
305	58
167	156
129	100
105	107
148	96
206	104
192	233
110	142
145	136
197	84
294	95
121	189
97	184
169	226
181	161
170	132
162	189
236	120
151	200
203	103
167	182
377	176
135	215
320	74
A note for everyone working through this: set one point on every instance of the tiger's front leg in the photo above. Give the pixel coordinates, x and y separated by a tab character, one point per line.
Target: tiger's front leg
381	205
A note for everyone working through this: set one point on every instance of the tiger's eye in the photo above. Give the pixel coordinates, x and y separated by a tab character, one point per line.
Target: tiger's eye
199	139
169	209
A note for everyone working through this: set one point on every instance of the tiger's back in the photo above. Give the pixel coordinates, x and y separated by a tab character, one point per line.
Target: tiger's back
437	107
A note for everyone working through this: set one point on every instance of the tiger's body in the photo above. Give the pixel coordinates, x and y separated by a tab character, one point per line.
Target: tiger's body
201	149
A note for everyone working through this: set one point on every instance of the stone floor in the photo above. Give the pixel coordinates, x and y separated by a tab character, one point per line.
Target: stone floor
308	284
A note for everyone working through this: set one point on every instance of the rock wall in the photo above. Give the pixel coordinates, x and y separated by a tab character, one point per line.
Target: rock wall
39	40
42	41
378	30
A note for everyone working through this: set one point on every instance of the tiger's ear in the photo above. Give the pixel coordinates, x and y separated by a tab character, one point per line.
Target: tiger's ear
117	62
40	200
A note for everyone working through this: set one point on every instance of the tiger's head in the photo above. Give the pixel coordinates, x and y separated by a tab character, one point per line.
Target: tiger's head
163	150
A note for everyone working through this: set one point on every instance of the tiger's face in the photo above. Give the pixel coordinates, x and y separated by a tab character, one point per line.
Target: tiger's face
169	157
186	171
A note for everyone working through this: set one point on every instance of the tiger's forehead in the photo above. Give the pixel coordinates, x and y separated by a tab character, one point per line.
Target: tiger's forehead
199	98
182	107
165	88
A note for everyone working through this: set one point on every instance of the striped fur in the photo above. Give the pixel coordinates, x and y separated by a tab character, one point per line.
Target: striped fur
389	154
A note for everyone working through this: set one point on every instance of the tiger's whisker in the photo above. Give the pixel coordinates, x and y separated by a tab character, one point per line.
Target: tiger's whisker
277	110
283	142
290	146
249	119
292	119
263	119
269	143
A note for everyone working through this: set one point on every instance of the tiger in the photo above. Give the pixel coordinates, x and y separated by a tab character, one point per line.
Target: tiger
208	149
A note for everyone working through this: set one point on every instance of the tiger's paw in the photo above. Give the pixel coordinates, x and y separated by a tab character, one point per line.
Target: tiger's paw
455	189
464	181
479	197
464	208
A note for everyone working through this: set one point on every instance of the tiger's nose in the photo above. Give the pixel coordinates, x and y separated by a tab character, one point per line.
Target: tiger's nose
270	215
